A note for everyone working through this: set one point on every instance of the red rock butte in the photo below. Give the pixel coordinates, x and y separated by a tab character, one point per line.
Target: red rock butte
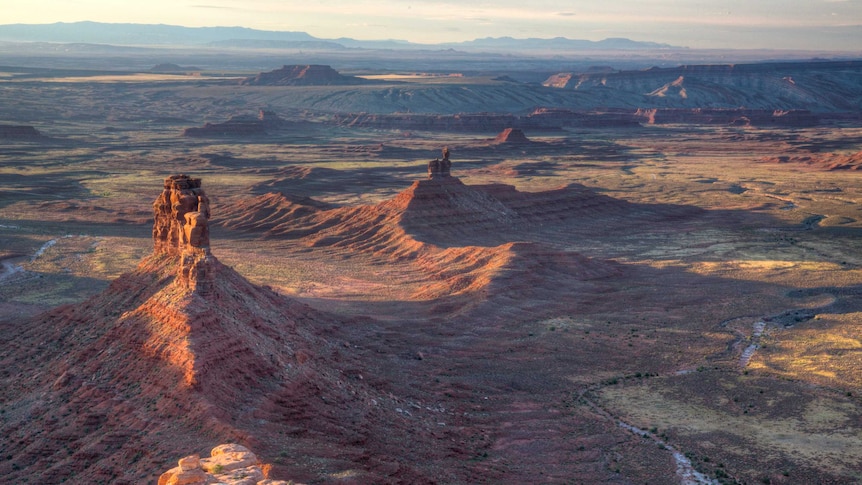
512	135
181	228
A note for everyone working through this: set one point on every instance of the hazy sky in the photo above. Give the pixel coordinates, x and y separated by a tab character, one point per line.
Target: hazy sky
796	24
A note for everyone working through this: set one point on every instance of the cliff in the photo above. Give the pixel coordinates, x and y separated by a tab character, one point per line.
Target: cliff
181	229
816	86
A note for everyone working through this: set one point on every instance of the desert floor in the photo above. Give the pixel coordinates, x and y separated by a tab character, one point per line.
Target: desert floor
699	318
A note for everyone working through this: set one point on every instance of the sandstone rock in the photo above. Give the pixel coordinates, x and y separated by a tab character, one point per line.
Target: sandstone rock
181	228
181	195
228	457
229	448
195	230
241	476
440	168
175	476
229	464
190	463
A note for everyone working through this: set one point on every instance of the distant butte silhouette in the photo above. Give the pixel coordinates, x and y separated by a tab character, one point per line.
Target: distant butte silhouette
302	75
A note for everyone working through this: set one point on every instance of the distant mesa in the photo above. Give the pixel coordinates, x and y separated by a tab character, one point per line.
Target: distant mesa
512	136
242	126
303	75
18	131
172	68
823	86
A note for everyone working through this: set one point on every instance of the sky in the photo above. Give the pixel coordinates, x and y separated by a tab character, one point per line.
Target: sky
735	24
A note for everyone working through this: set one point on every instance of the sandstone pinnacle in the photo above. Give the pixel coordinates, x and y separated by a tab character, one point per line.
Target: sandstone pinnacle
181	229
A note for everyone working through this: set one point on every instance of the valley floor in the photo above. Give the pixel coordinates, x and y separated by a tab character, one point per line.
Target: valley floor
660	304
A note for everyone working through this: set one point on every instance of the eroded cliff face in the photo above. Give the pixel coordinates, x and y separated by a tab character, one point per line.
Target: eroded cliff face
181	229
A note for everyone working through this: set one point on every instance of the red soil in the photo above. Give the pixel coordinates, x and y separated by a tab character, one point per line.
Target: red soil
153	369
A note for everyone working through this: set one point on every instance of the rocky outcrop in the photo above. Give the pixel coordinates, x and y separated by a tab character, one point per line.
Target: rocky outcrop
302	75
228	464
181	229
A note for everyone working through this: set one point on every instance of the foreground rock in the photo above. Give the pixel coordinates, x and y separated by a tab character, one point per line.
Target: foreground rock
820	86
228	464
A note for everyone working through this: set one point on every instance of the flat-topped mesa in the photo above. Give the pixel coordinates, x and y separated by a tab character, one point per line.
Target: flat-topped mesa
513	136
440	169
181	228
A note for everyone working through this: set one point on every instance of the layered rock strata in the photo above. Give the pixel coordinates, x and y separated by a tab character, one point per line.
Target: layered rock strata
181	229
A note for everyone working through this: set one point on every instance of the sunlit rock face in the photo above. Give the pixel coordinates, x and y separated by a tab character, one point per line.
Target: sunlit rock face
181	229
229	464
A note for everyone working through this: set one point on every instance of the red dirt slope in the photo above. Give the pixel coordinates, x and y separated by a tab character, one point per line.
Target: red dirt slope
184	353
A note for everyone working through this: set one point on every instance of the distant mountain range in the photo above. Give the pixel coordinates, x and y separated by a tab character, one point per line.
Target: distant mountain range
240	37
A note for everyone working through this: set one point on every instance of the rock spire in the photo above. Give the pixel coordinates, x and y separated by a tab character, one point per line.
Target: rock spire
181	229
440	168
